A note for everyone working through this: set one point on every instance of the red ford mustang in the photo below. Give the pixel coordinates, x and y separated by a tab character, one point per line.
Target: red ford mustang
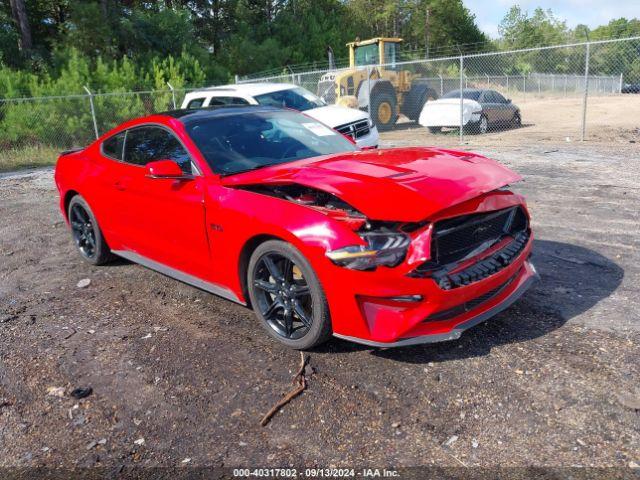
269	208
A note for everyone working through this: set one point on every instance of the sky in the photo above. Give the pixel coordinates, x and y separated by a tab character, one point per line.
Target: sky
592	13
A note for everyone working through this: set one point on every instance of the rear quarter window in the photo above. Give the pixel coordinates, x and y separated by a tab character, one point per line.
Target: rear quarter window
218	101
112	146
196	103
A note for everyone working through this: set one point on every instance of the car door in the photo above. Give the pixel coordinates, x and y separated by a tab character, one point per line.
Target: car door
106	196
489	107
503	107
165	217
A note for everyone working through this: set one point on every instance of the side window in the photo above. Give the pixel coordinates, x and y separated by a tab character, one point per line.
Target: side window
112	146
219	101
238	101
147	144
196	103
499	98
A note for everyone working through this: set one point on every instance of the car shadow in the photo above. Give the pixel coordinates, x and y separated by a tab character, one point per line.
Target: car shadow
573	279
118	262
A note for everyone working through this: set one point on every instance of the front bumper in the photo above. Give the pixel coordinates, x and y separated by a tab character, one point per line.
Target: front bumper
370	140
393	307
457	330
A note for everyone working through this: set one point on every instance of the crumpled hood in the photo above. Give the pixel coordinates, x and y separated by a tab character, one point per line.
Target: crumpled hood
445	112
401	184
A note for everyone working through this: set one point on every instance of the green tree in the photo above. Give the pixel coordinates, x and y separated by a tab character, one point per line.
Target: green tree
520	30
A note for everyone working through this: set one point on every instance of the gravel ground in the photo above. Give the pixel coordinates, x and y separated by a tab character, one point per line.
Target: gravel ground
181	378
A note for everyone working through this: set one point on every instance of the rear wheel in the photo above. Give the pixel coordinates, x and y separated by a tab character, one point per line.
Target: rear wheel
384	111
287	297
86	233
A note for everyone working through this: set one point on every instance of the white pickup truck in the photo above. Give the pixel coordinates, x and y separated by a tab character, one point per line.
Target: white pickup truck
348	121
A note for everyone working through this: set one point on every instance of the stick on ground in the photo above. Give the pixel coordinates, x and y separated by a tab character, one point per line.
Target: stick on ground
301	382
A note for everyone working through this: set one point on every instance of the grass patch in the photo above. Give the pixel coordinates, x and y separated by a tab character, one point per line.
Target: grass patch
26	157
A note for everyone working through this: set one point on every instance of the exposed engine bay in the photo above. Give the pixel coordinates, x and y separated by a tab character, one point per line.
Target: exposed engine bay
333	206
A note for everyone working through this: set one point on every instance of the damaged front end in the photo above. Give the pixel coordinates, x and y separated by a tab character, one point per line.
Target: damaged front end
382	243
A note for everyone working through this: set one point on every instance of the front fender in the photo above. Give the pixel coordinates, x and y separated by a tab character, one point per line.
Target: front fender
235	216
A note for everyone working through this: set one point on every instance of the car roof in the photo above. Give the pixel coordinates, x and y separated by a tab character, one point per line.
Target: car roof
251	89
189	115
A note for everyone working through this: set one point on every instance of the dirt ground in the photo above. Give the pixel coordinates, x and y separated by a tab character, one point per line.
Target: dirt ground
611	120
181	378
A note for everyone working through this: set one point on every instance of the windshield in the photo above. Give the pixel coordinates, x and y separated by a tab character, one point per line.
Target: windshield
367	55
296	98
246	141
468	94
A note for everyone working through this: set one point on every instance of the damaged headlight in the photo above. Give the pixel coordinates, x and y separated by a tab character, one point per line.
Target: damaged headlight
383	248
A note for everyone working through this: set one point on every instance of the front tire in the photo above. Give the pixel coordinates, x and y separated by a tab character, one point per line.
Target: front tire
516	122
384	111
287	297
86	233
482	126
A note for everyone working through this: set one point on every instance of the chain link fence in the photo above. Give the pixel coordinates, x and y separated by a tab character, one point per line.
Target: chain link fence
561	93
33	131
571	92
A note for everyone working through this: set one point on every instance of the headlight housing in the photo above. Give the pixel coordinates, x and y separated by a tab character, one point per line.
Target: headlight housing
383	248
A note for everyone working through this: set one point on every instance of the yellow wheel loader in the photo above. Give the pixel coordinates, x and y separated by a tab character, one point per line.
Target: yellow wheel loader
375	82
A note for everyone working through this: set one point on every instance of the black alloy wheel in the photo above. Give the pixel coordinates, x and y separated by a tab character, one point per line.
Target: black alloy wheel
83	230
286	295
86	233
284	298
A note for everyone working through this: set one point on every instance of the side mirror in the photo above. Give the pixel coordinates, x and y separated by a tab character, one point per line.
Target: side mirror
166	169
508	100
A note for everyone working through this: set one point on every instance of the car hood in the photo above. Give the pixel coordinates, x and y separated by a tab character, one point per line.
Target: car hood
452	101
403	184
335	115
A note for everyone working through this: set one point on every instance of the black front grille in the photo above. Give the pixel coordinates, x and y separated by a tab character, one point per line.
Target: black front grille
356	129
470	305
456	238
489	265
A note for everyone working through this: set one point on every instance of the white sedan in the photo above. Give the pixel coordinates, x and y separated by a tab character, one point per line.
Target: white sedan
348	121
481	110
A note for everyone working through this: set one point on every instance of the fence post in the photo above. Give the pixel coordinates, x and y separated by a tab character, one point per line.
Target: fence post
237	79
462	78
507	83
93	111
173	95
369	91
565	84
441	85
524	85
620	86
488	81
586	93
